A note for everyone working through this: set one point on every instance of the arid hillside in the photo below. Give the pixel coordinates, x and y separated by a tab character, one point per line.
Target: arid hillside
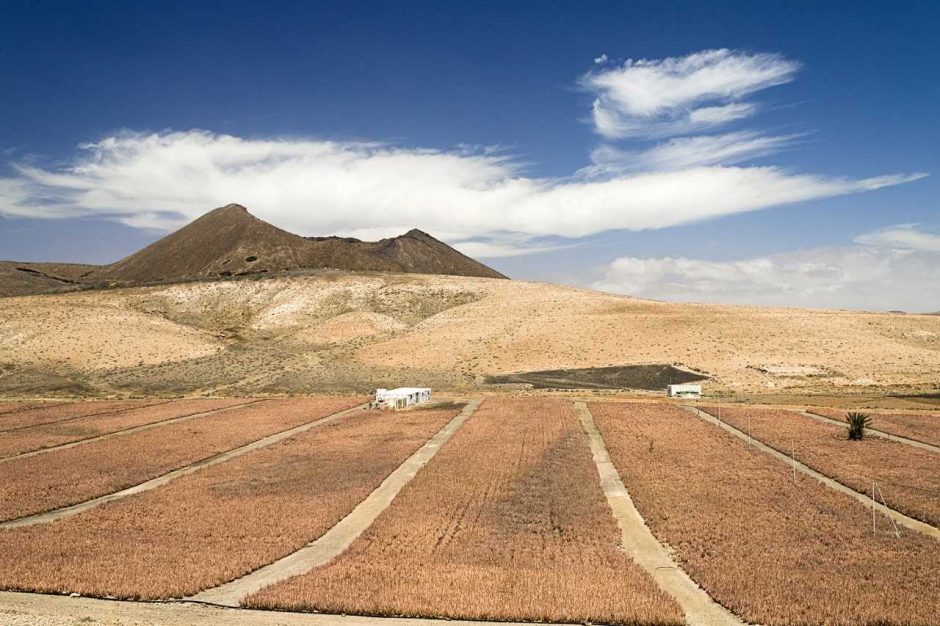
339	331
32	278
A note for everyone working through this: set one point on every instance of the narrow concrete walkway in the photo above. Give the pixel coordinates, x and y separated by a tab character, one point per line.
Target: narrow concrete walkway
54	610
897	516
877	433
159	481
129	431
335	541
638	541
85	416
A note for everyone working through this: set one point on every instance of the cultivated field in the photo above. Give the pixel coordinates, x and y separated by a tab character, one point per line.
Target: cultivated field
80	421
909	477
60	478
41	414
506	522
772	550
218	524
924	427
8	410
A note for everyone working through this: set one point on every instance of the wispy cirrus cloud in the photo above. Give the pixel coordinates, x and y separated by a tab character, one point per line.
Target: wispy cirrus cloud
687	152
162	180
679	95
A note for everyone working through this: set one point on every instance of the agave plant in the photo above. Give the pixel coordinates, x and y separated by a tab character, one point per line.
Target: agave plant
858	422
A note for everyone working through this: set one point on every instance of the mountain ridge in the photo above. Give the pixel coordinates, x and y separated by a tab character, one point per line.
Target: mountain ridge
230	241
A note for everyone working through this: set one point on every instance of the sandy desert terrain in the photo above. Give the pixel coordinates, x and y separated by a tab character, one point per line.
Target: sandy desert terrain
339	331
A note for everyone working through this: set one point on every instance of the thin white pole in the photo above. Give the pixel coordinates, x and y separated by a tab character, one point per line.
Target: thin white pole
873	508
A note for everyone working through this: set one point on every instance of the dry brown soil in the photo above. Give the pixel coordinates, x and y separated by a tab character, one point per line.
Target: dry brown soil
339	331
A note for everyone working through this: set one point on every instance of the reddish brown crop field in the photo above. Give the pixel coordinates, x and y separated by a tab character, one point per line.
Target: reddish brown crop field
220	523
15	406
772	550
82	427
62	477
909	477
506	522
50	413
921	427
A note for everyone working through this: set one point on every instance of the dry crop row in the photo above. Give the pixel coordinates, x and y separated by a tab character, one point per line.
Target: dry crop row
82	427
908	477
506	522
919	427
220	523
63	477
49	414
772	550
16	406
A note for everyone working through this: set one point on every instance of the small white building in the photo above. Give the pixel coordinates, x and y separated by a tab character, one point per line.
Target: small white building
685	390
401	397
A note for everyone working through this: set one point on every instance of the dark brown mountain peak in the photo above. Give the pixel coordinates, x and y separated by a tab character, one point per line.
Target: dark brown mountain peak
418	234
230	241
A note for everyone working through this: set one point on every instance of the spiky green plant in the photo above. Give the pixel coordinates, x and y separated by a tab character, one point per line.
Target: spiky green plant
857	422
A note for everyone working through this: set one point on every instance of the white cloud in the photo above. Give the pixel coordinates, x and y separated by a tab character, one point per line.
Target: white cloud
502	249
713	116
677	95
319	187
687	152
601	59
872	277
902	236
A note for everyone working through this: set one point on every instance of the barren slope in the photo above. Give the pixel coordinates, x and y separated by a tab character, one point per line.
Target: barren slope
340	331
28	278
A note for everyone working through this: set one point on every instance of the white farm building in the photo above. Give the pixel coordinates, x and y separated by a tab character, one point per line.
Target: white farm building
401	397
686	390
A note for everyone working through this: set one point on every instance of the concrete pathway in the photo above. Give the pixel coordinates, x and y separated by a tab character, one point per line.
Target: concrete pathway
159	481
877	433
638	541
897	516
335	541
21	609
129	431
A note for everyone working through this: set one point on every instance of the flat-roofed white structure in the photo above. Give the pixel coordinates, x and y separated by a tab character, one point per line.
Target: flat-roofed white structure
686	390
401	397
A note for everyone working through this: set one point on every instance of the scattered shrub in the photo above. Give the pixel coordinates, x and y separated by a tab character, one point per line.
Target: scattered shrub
857	422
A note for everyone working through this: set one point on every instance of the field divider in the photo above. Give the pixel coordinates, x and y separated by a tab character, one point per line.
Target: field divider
79	417
163	479
26	605
29	406
336	540
897	516
642	546
877	433
130	431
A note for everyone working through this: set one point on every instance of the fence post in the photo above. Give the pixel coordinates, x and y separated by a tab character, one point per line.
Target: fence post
793	457
872	508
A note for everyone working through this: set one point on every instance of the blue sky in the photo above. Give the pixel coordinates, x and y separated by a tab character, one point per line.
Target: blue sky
765	153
